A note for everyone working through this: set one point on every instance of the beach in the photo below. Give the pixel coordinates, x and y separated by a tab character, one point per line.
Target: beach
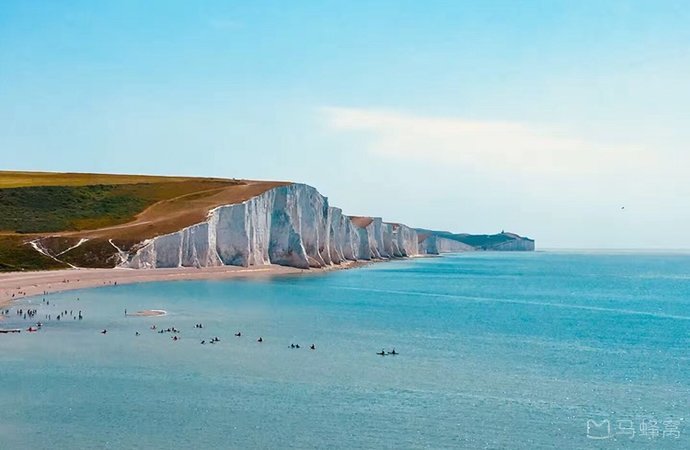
18	285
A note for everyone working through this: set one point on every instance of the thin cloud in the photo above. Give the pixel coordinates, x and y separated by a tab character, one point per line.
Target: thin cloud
492	145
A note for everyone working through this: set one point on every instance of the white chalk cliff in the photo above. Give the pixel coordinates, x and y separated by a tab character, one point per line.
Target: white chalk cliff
291	225
434	245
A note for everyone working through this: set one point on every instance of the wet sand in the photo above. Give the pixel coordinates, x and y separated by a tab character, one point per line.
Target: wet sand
148	313
17	285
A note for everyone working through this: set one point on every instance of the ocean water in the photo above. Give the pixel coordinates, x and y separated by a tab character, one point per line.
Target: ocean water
496	350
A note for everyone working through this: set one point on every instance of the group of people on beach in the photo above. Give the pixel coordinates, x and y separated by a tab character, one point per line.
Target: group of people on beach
71	314
32	314
26	314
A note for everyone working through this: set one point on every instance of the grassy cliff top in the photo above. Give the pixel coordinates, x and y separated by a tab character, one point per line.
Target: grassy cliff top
15	179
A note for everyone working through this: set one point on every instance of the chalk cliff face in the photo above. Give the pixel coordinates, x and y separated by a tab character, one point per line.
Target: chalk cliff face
516	245
434	245
405	240
294	225
290	225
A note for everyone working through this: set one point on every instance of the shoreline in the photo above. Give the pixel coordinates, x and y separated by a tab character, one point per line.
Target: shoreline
20	285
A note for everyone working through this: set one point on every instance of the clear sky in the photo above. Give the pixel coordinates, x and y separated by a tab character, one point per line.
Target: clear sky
540	117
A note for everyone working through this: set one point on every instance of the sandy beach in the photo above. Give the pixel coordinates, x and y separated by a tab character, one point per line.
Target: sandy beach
17	285
148	313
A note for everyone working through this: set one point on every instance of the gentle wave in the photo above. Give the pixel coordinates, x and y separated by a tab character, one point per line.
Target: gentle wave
522	302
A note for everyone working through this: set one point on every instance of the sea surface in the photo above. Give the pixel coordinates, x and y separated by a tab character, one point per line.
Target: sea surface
496	350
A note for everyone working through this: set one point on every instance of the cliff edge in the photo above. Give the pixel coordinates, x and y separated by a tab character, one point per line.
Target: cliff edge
50	221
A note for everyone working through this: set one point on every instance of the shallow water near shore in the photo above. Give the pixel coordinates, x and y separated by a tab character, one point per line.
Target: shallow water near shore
497	350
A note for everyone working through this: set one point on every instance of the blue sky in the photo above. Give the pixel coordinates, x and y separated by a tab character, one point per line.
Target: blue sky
539	117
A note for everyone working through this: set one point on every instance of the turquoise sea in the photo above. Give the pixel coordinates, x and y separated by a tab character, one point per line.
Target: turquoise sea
496	350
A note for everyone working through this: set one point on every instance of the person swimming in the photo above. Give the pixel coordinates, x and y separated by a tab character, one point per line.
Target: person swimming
238	334
104	331
203	342
260	339
313	347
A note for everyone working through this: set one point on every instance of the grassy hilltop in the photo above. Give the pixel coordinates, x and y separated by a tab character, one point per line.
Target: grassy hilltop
61	209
